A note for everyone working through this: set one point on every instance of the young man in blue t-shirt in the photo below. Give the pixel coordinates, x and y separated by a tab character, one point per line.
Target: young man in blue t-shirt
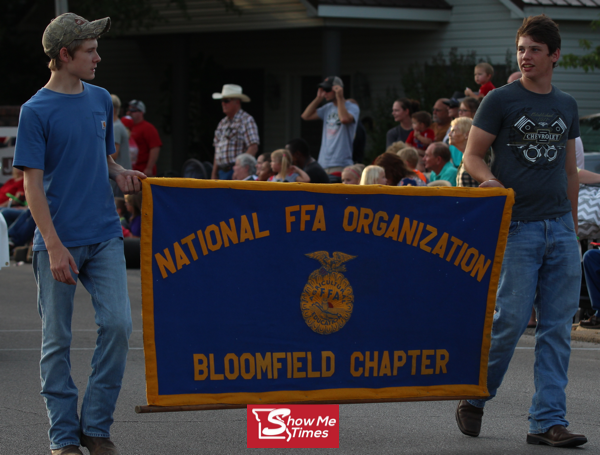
65	140
532	126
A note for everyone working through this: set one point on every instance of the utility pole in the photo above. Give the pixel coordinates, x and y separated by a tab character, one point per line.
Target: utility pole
61	7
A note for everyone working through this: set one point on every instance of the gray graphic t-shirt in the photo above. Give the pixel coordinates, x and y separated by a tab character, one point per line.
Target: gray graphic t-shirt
530	146
337	139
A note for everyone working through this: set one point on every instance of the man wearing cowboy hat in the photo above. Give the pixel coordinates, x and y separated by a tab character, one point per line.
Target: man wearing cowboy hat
236	134
65	145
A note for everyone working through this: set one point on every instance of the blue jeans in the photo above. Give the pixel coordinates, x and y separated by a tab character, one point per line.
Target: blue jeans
102	272
225	175
23	229
541	268
591	268
10	214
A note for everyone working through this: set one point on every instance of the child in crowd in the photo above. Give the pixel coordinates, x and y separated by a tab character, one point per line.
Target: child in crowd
263	167
373	175
133	202
351	174
284	170
396	172
411	158
421	135
122	211
395	147
483	78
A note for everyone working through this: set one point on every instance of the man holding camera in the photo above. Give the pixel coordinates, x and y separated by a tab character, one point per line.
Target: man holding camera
339	117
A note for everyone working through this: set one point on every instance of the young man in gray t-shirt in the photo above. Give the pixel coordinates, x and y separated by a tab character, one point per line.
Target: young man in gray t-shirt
339	124
532	126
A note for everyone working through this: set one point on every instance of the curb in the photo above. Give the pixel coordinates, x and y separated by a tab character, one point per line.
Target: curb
578	333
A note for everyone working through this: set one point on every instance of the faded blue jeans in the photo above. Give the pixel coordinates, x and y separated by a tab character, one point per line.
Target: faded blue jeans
102	272
541	268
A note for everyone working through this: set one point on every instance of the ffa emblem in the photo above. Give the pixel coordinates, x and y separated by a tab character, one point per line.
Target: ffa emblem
327	299
103	125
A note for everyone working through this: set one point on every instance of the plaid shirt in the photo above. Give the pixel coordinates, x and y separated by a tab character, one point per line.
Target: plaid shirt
234	136
465	180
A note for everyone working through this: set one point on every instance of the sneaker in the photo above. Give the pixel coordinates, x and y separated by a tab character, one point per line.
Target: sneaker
98	446
591	323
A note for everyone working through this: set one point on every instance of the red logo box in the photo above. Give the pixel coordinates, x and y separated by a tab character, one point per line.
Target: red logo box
313	426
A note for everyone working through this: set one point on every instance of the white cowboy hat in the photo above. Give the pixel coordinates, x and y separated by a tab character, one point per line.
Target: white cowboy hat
231	91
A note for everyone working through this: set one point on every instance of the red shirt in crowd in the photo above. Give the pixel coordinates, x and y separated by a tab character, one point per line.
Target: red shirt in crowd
146	137
428	133
486	88
13	187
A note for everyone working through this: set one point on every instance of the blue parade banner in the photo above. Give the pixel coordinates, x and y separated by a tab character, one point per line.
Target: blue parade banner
260	293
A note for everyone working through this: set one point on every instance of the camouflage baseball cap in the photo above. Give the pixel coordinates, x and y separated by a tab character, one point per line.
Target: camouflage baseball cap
68	27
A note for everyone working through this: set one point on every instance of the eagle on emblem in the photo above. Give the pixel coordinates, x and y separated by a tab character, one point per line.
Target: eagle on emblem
334	264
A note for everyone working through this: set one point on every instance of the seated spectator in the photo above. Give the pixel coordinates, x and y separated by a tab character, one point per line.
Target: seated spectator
133	202
20	233
439	161
421	135
411	159
351	175
396	172
284	170
13	186
301	158
263	167
458	143
395	147
441	119
453	106
244	167
468	107
459	133
402	110
373	175
9	207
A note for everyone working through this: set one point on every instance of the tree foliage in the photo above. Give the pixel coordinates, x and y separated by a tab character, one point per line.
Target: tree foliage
589	61
442	76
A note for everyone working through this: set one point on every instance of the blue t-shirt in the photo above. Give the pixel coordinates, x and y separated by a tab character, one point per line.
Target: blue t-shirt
69	137
531	132
338	139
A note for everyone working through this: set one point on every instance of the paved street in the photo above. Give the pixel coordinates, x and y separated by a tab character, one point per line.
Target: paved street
398	428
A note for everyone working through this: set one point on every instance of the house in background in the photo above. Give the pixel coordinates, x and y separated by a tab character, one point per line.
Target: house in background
278	50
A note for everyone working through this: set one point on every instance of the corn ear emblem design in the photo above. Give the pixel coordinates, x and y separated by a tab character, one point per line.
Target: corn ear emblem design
327	299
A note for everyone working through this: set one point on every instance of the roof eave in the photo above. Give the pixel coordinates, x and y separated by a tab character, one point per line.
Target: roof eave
385	13
555	12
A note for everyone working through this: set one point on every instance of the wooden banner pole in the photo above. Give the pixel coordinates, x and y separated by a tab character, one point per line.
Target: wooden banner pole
216	406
